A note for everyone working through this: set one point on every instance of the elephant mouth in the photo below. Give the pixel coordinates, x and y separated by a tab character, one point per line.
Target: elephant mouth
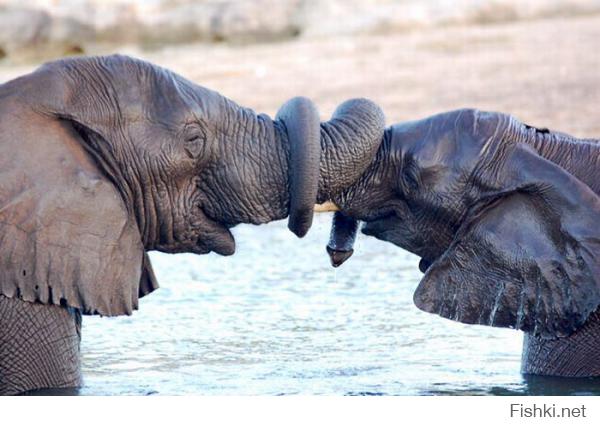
424	264
211	235
380	224
381	229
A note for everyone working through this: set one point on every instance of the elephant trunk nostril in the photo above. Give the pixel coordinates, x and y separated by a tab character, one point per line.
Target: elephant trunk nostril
341	240
338	257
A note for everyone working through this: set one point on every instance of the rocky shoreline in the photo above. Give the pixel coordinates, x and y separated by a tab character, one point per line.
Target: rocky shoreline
42	29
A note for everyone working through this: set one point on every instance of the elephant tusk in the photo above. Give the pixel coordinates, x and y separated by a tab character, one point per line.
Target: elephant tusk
327	206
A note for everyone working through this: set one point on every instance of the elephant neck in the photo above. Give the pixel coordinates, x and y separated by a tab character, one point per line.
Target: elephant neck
580	157
577	354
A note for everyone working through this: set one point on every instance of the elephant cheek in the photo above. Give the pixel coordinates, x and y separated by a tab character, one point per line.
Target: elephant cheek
376	229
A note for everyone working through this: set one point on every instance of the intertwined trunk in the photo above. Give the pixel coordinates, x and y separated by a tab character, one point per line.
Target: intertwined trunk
269	159
350	144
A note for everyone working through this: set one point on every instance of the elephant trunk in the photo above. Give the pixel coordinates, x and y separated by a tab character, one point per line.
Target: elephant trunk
341	241
301	120
349	142
283	167
328	158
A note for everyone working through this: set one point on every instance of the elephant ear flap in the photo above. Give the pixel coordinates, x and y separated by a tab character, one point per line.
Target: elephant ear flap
66	237
529	259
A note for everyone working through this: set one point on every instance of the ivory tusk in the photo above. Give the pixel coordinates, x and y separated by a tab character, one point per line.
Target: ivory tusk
327	206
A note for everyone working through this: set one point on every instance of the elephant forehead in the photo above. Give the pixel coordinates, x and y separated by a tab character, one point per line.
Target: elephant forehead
450	138
431	141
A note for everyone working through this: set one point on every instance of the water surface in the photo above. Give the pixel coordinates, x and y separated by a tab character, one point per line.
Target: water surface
276	319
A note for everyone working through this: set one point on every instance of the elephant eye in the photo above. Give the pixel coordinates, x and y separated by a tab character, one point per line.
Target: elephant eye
194	139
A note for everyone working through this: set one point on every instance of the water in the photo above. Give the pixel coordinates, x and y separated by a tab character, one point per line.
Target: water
276	319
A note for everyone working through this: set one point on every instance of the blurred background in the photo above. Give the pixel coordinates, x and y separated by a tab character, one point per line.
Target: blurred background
537	59
275	318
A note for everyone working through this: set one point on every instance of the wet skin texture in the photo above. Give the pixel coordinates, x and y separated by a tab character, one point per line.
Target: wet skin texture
505	218
105	158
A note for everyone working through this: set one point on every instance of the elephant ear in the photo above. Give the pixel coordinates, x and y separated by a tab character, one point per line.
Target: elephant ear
66	237
528	259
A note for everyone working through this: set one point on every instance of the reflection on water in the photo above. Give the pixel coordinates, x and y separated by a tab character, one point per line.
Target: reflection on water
276	319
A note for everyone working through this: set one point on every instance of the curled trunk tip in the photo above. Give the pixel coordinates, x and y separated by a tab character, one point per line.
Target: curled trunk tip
348	145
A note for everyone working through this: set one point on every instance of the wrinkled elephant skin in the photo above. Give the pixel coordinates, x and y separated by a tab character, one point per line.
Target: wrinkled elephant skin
105	158
505	218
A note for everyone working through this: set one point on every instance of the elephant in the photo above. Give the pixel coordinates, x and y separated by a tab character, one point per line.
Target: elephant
505	218
103	159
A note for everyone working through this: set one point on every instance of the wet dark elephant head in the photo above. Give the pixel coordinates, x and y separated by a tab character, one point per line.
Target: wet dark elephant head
104	158
504	216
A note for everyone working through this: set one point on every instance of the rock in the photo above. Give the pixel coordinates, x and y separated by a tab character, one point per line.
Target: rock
237	21
335	17
50	28
27	34
256	20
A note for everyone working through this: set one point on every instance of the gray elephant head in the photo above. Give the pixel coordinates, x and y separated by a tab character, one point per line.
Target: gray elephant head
505	217
105	158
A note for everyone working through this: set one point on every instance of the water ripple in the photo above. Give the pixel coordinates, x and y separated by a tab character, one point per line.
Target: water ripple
276	319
